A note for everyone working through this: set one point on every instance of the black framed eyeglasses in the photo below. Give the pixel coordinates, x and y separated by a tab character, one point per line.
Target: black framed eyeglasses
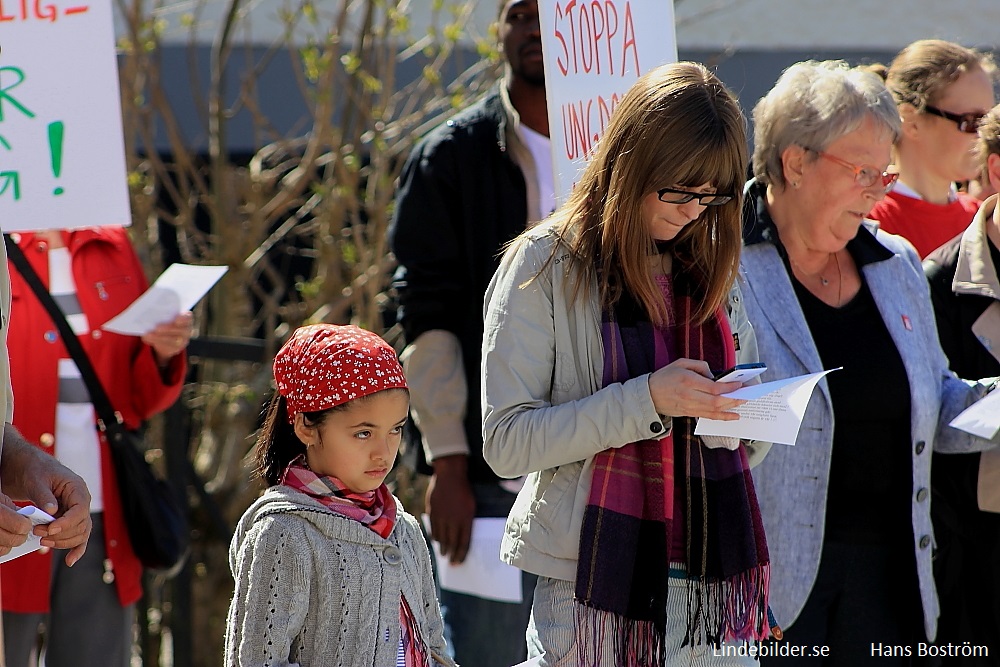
674	196
967	122
865	174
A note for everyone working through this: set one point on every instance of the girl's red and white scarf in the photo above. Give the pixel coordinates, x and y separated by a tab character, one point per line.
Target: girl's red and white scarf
375	509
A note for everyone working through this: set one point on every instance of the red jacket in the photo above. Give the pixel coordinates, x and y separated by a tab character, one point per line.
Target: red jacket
108	278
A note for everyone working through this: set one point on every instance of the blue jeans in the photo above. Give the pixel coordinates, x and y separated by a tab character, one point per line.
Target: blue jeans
486	633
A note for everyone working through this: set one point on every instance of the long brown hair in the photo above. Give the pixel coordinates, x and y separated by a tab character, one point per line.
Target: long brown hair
677	125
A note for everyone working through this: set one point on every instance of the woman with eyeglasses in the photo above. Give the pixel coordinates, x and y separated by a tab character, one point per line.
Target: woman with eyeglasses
604	327
847	509
942	90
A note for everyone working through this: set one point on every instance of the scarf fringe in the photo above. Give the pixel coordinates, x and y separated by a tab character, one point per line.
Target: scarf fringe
634	643
734	609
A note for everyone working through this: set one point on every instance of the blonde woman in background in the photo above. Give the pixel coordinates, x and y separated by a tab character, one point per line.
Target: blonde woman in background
942	90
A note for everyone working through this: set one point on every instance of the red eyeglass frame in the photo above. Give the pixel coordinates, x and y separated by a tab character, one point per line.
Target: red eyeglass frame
888	178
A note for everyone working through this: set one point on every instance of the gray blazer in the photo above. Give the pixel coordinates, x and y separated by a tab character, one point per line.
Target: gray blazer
792	484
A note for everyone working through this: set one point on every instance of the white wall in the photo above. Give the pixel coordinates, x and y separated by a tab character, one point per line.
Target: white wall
768	25
834	24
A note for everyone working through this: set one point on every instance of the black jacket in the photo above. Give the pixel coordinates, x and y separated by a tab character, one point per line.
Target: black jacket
461	198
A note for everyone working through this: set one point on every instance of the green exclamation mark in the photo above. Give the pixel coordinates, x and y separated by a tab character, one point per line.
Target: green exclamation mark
56	150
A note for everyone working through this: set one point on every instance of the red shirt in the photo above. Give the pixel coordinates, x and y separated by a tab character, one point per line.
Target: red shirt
927	226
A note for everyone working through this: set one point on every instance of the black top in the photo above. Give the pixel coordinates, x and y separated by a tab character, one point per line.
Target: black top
461	198
871	479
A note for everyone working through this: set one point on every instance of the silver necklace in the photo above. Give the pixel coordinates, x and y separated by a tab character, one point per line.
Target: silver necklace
819	274
824	281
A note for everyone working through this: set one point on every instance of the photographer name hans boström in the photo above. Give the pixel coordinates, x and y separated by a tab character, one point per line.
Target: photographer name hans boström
965	649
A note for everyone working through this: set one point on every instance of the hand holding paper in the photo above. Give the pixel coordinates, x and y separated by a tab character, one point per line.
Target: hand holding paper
170	338
685	387
982	418
773	411
34	542
177	289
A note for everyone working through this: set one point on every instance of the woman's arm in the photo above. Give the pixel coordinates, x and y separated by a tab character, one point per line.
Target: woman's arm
523	431
955	394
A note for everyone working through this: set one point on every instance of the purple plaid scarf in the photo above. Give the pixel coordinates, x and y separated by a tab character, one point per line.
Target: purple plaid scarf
622	572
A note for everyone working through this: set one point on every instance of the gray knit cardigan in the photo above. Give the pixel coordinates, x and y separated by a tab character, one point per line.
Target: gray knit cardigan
314	588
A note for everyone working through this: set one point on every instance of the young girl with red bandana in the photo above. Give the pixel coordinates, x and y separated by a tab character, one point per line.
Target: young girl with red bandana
329	569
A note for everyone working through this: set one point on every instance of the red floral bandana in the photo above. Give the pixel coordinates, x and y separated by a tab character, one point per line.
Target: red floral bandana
325	365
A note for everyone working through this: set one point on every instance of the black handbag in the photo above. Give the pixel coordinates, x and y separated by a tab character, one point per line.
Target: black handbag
156	523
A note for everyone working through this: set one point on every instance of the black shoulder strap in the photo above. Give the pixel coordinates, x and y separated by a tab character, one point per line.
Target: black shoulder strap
102	406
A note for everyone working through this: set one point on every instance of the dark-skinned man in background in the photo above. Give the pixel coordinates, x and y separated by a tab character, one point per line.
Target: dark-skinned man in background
468	188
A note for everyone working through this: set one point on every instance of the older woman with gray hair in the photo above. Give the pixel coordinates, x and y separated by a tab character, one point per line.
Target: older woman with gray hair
846	510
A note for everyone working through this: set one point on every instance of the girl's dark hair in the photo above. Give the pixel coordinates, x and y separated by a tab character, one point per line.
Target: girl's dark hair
277	445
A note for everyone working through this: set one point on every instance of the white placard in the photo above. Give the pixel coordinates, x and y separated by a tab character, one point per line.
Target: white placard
482	574
534	662
62	154
593	52
773	411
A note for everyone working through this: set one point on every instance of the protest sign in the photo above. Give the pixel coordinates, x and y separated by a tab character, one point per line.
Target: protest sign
62	155
593	51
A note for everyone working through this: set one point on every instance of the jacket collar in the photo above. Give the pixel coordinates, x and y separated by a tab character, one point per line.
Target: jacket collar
509	119
758	227
503	112
509	140
974	271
